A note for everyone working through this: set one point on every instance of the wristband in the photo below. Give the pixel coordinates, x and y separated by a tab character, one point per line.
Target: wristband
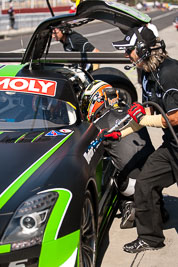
152	121
131	127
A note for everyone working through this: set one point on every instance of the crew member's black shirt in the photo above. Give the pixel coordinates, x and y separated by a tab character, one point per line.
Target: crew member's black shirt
78	43
161	87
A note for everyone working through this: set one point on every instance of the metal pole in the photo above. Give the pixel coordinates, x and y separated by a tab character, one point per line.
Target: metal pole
54	3
32	4
3	4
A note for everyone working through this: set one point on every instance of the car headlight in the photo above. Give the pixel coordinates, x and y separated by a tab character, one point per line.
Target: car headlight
27	225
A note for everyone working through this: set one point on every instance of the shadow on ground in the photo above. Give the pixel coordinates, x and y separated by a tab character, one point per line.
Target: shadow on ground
171	204
105	241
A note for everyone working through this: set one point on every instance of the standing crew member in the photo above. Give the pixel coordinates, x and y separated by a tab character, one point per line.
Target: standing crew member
74	42
160	85
11	16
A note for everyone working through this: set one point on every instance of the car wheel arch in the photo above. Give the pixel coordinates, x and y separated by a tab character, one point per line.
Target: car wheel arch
88	232
116	78
92	187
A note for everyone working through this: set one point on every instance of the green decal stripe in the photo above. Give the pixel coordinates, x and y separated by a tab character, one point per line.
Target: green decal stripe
8	193
21	137
106	215
38	136
5	248
59	212
1	132
11	70
131	11
57	251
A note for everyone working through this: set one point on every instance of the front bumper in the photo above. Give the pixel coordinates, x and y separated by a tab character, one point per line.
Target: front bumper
28	257
59	252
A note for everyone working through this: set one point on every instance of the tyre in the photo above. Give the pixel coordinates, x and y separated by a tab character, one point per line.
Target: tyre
87	255
119	80
127	94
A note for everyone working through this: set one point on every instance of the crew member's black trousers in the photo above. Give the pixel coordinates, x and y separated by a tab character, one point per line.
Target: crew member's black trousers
159	171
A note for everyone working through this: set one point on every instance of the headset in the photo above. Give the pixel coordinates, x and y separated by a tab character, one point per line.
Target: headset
66	29
142	49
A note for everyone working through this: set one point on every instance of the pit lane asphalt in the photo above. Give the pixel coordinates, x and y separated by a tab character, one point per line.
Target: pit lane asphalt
111	252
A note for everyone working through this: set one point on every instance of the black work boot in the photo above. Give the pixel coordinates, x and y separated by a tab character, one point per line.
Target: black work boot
128	215
139	245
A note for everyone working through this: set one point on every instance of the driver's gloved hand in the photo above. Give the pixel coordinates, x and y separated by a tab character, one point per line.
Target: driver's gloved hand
136	111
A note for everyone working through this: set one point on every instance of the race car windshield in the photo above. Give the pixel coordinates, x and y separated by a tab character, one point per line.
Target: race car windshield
29	111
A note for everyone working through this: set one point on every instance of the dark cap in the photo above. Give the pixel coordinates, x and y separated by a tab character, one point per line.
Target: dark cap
134	35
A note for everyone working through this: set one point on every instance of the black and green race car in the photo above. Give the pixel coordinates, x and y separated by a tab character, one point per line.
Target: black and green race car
57	192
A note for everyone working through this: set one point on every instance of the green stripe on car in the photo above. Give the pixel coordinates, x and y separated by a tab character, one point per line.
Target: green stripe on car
20	138
131	11
52	247
19	181
11	70
57	252
5	248
37	137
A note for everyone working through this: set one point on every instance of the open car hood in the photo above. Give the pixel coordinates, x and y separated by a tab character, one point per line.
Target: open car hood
116	14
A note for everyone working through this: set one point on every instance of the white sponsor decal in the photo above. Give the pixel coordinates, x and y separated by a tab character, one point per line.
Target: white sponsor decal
89	155
65	131
21	263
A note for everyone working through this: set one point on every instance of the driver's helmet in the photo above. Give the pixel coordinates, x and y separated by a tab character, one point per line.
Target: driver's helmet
95	97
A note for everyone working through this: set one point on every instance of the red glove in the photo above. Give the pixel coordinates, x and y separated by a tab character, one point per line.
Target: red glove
116	135
136	111
103	134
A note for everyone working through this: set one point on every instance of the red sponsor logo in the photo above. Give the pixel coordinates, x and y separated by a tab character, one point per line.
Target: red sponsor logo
28	85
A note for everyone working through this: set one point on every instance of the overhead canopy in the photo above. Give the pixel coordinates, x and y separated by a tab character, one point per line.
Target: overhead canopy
116	14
